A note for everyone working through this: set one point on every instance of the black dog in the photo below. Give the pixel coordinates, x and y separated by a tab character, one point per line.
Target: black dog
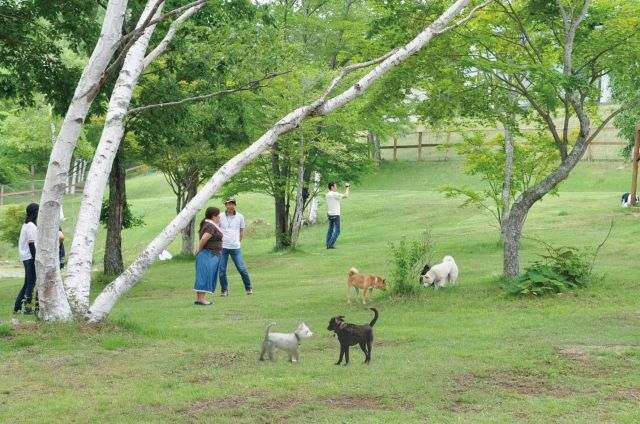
353	334
424	271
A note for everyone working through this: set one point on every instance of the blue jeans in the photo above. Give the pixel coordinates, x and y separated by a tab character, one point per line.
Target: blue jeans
26	293
236	256
334	229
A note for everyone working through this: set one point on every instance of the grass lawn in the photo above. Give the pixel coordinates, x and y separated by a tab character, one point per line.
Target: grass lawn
462	354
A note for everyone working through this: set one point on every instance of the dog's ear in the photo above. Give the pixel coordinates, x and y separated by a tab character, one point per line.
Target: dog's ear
340	318
343	325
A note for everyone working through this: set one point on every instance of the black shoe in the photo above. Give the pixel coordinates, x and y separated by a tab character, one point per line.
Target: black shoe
331	247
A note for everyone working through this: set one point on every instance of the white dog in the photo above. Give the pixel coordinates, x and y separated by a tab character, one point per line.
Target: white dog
440	273
288	342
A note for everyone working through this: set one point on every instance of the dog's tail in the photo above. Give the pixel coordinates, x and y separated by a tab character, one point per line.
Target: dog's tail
375	317
353	271
266	334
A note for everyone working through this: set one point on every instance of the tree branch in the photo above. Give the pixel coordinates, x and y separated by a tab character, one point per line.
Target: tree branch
162	46
244	87
465	19
621	109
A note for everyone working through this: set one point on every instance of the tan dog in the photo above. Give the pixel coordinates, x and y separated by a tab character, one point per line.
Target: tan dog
364	283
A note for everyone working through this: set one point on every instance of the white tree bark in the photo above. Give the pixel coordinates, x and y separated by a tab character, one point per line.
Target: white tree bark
78	282
313	209
53	302
110	295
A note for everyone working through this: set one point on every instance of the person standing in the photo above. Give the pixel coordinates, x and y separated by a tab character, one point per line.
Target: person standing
232	224
208	255
333	212
27	252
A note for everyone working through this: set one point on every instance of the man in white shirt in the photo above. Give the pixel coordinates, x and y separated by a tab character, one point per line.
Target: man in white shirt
232	225
333	212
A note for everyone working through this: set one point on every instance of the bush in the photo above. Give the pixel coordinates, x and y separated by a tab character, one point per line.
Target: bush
11	223
408	259
561	269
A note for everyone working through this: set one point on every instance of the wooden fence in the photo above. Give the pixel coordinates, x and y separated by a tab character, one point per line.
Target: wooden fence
589	155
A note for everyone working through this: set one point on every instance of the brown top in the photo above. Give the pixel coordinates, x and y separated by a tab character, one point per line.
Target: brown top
215	242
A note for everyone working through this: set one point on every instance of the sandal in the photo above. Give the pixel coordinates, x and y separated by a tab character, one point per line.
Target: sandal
202	303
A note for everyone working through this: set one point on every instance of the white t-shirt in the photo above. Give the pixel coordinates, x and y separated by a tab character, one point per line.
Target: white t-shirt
231	226
28	233
333	203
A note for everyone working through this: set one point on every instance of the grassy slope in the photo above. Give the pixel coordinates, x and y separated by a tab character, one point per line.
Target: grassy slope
456	355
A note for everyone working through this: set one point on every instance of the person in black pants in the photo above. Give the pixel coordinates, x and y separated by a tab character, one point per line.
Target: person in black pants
27	251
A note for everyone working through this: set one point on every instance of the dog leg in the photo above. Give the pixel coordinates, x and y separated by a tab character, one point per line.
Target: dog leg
369	349
346	355
363	346
364	295
263	350
341	354
272	353
348	293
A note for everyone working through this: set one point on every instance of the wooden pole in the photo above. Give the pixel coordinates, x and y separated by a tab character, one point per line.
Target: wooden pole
634	178
395	148
420	145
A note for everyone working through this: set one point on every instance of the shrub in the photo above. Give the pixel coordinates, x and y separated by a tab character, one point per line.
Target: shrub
408	259
11	223
561	269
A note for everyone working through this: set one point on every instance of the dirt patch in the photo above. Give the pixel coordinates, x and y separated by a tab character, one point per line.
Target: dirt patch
280	404
224	359
523	382
356	402
591	352
202	379
227	402
625	395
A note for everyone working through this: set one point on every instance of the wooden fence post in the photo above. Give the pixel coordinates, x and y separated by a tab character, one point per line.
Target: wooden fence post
634	178
420	145
395	148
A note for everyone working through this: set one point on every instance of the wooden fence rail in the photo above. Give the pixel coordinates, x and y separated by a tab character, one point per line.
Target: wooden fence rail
395	146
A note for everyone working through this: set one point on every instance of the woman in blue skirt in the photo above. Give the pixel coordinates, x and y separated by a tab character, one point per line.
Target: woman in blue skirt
208	255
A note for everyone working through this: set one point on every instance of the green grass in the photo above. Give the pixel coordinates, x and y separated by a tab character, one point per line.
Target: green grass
464	354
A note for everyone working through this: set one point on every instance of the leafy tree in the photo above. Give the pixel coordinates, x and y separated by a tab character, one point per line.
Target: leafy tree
533	158
11	223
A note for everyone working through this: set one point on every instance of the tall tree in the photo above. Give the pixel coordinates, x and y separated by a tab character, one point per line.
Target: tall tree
54	300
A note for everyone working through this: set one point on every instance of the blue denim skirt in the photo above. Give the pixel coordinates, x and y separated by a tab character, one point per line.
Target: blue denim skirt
206	271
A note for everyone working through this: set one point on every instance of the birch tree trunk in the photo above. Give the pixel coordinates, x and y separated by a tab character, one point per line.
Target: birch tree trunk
80	263
116	289
113	264
188	233
54	305
298	216
313	209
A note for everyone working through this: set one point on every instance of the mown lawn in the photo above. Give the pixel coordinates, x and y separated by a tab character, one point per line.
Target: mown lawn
464	354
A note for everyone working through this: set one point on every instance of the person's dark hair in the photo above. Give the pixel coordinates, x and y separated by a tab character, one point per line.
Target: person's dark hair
331	184
32	213
208	214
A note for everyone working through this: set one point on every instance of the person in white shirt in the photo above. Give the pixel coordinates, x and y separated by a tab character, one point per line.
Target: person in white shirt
232	225
27	252
333	212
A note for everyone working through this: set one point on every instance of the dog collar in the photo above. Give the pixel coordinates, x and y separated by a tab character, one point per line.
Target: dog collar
297	337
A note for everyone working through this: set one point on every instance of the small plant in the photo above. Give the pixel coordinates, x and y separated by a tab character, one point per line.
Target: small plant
129	220
561	269
5	330
11	224
408	259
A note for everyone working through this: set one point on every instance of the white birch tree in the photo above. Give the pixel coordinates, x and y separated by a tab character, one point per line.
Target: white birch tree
56	302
